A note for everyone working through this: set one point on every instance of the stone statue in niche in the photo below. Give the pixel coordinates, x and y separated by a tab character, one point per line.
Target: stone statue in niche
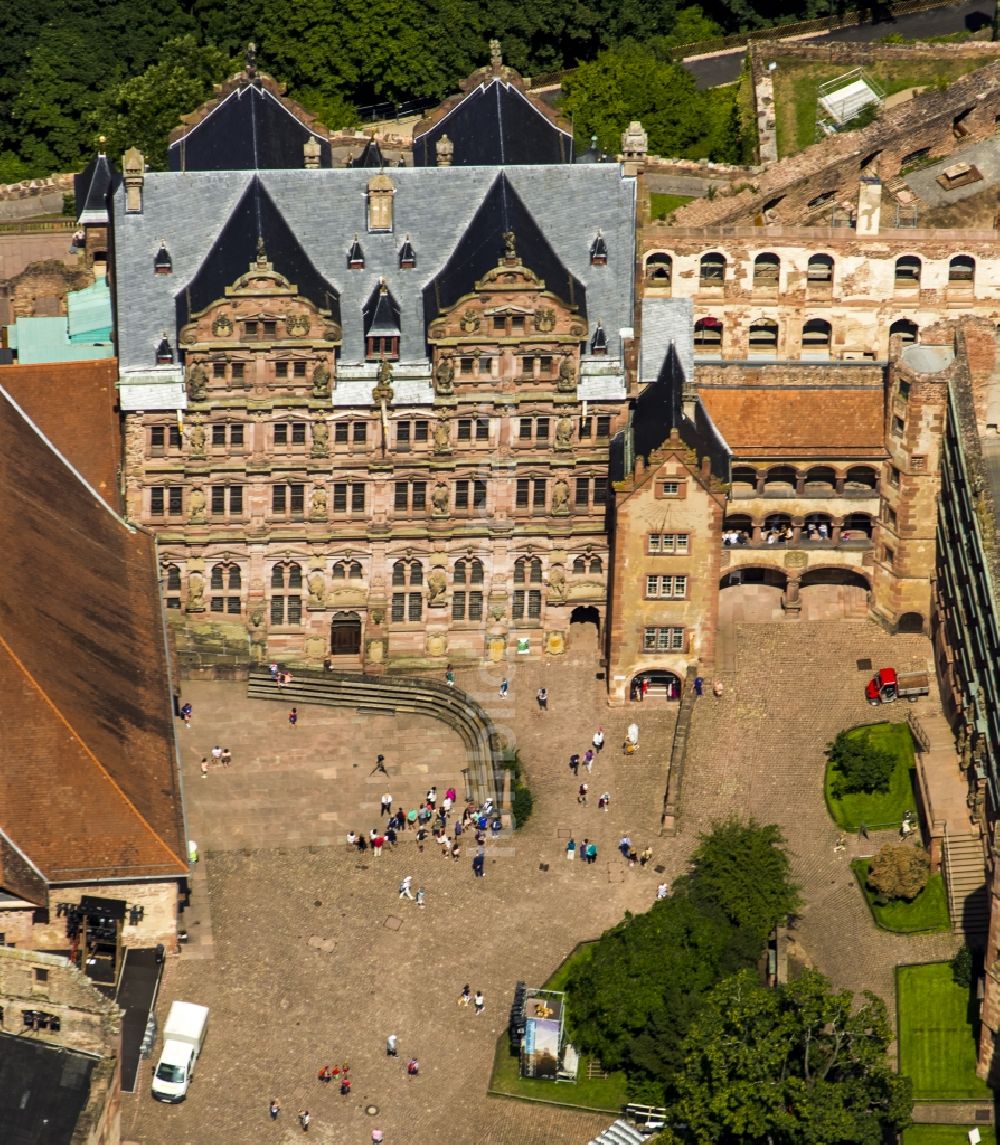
197	504
439	499
197	440
437	586
320	381
196	592
567	375
509	244
316	584
444	376
564	433
382	391
317	504
557	583
442	436
197	383
560	497
321	439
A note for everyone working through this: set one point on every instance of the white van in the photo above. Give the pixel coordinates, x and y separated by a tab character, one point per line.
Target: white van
183	1037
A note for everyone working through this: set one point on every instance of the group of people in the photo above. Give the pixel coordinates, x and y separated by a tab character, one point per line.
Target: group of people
221	757
588	851
632	856
337	1073
783	534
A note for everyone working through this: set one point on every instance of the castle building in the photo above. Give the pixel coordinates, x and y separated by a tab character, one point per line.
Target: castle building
368	414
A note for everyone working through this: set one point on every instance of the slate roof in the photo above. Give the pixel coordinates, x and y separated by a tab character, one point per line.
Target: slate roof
381	314
92	187
73	404
371	156
89	789
493	124
254	219
250	128
322	210
43	1090
826	420
482	245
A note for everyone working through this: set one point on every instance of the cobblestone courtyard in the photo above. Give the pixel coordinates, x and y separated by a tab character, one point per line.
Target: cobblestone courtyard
308	956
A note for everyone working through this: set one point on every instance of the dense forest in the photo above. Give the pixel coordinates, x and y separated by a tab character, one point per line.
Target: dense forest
71	70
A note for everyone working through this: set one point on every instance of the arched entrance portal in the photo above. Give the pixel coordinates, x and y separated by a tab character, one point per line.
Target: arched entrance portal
345	634
585	629
654	684
910	622
834	593
751	595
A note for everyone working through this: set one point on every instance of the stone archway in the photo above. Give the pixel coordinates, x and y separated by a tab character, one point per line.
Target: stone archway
910	622
751	594
833	592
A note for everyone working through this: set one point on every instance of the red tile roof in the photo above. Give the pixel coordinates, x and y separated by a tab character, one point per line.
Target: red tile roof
75	406
89	788
798	421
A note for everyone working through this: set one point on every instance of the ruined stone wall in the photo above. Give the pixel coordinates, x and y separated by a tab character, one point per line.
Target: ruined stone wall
159	902
794	189
34	197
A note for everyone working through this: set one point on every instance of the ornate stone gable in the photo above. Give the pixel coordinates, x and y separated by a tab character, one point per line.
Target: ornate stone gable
261	332
508	332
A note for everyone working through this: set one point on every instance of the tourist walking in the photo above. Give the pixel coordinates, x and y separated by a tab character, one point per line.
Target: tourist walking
588	759
404	888
385	805
274	1108
304	1120
204	767
543	699
574	763
504	687
463	998
480	1002
186	712
293	717
392	1046
379	766
581	796
216	754
591	852
598	740
227	757
571	850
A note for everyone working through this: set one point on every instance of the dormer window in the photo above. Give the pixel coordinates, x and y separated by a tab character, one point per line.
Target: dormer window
599	251
381	321
407	255
164	353
599	342
355	256
163	263
380	195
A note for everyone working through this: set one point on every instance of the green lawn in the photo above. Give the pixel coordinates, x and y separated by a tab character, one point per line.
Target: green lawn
927	912
937	1038
662	205
947	1134
796	84
880	808
607	1095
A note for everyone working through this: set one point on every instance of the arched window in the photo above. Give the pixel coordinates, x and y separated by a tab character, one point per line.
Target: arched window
821	479
467	600
225	583
906	330
407	597
861	479
781	475
817	527
962	270
708	336
587	563
766	271
857	527
659	268
347	570
819	270
172	586
816	336
744	476
907	272
763	336
527	603
712	269
286	593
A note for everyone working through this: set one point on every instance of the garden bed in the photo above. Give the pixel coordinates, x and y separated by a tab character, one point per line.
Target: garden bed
947	1134
927	913
937	1034
882	808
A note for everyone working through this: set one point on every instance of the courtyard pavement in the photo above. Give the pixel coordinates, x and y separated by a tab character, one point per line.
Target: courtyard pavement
307	955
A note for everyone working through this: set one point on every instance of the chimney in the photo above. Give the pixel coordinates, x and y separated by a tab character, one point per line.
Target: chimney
445	151
869	205
311	151
134	167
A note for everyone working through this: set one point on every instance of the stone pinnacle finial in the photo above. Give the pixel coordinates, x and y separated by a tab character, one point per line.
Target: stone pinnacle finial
496	55
251	58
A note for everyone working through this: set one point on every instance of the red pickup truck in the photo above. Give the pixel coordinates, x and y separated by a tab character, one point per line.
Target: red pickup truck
887	686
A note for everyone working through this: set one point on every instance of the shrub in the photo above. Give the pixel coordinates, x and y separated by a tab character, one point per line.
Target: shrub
961	967
899	871
521	799
862	767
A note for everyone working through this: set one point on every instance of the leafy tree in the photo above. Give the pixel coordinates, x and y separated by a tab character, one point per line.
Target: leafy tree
861	765
627	83
142	112
743	870
899	871
786	1066
633	998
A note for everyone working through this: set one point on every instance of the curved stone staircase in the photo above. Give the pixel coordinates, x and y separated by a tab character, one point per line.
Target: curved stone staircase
484	774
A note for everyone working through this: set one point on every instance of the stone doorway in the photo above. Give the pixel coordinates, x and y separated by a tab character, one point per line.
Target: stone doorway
345	634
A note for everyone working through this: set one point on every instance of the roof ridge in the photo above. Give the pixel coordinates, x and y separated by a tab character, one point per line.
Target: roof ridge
47	700
69	465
